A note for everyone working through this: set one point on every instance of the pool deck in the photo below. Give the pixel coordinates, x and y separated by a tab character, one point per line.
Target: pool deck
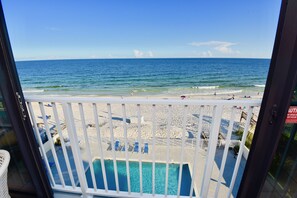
160	156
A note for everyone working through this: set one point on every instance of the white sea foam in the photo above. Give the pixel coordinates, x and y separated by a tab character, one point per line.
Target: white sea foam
259	85
33	91
212	93
206	87
229	92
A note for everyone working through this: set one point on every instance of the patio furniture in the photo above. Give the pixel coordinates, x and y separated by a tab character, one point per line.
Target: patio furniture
117	145
123	148
145	148
136	147
4	161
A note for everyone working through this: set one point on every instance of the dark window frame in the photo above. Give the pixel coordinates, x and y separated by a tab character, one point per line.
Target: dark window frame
10	85
281	81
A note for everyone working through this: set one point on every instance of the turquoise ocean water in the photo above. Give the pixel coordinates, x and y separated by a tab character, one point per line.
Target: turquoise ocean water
141	77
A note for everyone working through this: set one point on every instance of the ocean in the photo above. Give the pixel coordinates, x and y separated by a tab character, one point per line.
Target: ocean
143	77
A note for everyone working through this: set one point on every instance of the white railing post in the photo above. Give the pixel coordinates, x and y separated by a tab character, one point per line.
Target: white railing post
198	139
212	146
182	150
66	157
99	140
113	149
226	150
154	147
75	148
37	134
239	155
126	146
87	142
168	144
50	139
139	156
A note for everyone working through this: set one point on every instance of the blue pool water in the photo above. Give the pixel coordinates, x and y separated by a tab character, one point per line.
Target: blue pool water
160	172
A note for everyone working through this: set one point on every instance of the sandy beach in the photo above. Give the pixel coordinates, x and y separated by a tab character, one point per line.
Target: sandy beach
160	115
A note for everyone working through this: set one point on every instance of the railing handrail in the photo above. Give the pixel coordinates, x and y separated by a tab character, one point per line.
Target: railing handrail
111	100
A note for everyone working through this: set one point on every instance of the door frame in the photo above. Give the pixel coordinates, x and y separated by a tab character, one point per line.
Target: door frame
281	81
17	111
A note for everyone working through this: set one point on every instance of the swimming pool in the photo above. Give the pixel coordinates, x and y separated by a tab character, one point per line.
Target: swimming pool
160	173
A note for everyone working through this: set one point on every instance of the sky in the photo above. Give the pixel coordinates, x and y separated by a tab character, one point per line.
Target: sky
68	29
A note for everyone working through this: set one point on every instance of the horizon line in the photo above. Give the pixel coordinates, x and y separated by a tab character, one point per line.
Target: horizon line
140	58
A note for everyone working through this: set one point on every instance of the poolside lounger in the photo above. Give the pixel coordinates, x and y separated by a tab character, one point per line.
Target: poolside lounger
109	146
117	145
130	148
46	117
123	148
145	148
136	147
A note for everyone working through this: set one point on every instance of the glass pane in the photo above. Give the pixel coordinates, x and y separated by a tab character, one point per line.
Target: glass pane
281	180
18	175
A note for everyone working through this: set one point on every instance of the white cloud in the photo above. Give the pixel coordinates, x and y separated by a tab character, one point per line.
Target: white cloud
150	54
206	54
141	54
220	46
138	53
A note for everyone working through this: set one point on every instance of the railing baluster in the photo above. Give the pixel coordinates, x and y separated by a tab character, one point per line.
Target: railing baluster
226	150
185	112
68	114
83	123
198	139
154	149
212	146
113	148
100	146
242	143
168	144
58	125
139	156
33	118
47	130
126	146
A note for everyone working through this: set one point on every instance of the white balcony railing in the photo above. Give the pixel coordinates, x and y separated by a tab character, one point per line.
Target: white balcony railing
174	148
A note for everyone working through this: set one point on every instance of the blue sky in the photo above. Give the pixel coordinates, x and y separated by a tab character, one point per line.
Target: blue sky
66	29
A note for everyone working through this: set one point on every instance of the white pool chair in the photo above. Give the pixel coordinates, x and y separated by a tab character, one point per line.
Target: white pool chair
4	161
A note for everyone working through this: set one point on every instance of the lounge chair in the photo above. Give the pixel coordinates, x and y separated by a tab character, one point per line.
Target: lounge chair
109	146
136	147
123	148
145	148
130	148
117	145
46	117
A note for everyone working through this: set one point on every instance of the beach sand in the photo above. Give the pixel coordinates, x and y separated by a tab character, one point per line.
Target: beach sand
160	115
